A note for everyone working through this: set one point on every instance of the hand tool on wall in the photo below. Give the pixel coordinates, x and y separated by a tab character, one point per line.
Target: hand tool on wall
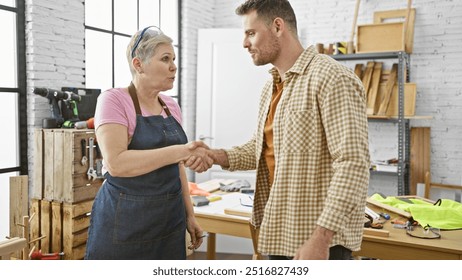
91	173
83	146
99	161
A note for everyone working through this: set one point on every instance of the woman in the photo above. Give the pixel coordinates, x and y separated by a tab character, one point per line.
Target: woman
143	207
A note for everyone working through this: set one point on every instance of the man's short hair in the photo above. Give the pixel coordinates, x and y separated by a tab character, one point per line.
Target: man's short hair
268	10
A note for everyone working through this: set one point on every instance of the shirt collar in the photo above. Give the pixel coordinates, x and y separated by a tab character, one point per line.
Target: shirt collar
299	66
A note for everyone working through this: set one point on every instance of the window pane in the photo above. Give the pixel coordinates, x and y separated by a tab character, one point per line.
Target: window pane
8	49
121	69
125	16
4	204
169	19
10	3
149	13
9	145
98	13
98	60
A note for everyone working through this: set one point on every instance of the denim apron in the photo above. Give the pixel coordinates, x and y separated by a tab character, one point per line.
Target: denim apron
142	217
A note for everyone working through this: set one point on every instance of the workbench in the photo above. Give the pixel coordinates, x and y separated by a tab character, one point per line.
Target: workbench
397	246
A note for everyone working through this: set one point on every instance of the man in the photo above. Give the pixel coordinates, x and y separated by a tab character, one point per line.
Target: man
310	148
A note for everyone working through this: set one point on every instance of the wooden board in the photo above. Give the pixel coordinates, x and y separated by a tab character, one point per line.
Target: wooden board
372	95
389	208
368	75
238	212
359	70
386	92
382	37
420	156
19	205
410	94
384	16
37	187
376	232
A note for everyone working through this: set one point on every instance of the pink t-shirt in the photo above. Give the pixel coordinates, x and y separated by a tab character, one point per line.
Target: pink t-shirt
116	106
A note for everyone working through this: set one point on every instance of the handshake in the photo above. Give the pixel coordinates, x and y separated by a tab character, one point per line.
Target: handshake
201	157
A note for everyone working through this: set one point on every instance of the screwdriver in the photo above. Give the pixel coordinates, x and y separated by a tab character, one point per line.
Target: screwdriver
385	216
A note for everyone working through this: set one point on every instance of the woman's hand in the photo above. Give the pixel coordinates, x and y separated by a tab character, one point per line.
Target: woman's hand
196	233
199	160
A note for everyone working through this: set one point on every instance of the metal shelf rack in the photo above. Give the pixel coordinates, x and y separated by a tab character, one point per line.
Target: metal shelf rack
403	123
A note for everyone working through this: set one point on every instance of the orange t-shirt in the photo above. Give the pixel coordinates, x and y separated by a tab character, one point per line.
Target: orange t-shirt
268	131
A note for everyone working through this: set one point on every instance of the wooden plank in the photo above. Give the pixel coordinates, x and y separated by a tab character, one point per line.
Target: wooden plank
389	208
78	253
238	212
371	97
68	167
420	156
376	232
11	247
410	94
56	227
79	238
58	171
87	192
45	225
384	102
37	186
359	70
383	37
19	203
383	16
19	206
367	76
48	168
35	222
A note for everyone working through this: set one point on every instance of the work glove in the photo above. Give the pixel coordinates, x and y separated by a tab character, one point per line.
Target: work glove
235	186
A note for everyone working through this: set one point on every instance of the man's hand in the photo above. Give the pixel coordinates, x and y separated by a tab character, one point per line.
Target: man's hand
317	247
199	158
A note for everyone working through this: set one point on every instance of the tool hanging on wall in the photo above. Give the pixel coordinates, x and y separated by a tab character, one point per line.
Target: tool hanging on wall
91	173
83	146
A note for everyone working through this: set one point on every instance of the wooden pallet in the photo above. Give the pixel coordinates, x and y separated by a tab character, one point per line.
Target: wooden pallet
64	226
59	174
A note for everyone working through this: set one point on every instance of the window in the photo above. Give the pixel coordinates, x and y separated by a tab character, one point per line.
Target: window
13	145
109	25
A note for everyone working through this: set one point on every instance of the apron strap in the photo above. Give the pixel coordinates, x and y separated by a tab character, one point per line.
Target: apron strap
132	91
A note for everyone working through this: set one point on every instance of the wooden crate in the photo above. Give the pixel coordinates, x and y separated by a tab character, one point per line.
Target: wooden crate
64	226
59	174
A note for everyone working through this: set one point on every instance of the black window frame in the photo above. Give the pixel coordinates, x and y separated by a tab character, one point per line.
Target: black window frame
21	88
113	34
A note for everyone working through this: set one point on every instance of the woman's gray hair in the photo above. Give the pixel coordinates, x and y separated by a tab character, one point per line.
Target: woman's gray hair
146	47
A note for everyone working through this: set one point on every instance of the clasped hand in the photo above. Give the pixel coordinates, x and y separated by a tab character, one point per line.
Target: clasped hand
200	158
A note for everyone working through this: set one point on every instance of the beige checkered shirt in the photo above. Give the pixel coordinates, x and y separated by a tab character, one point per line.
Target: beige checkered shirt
321	153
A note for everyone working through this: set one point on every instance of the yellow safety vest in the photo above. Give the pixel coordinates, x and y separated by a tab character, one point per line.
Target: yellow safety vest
444	214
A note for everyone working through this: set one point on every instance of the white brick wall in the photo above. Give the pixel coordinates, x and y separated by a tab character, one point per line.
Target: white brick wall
54	54
55	58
